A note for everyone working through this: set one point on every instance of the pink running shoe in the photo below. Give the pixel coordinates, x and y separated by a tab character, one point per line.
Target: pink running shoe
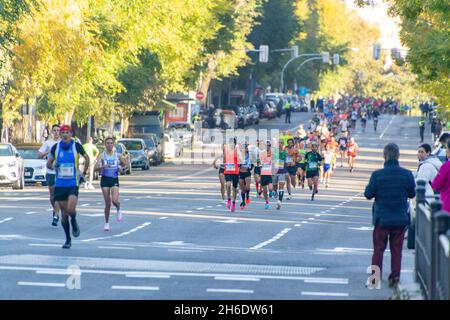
228	204
233	207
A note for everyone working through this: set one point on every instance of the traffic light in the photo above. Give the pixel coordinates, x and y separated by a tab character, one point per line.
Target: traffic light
376	50
335	59
325	57
263	53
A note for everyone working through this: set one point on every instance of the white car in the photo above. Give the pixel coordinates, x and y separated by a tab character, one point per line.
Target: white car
172	147
34	169
11	167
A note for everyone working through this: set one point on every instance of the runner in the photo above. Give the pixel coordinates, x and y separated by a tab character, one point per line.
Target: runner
281	172
63	159
352	148
343	143
328	156
108	164
221	168
301	163
375	114
50	177
245	174
231	172
266	172
291	167
313	162
257	170
363	120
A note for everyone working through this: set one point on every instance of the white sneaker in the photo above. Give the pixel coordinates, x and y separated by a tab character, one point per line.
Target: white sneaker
106	227
278	205
86	185
119	216
91	187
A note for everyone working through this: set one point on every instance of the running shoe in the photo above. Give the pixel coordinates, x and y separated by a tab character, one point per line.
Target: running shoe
289	197
106	227
278	205
67	245
55	220
233	207
229	204
119	216
242	206
260	196
75	228
267	206
247	201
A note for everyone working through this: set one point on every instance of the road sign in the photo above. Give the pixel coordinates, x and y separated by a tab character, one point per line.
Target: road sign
199	95
302	91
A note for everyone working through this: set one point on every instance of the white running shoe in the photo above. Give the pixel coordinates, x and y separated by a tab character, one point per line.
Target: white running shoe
106	227
86	185
278	205
119	216
91	187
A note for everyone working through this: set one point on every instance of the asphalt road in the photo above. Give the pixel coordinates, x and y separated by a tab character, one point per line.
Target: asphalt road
178	241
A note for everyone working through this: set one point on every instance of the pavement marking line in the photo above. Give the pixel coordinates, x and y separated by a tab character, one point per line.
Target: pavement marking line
231	278
163	218
118	235
146	288
185	250
48	210
6	219
147	275
362	229
276	237
31	212
385	129
327	281
229	290
325	294
115	248
44	245
41	284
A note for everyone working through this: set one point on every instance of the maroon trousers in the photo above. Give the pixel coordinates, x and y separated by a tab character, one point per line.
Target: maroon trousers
380	236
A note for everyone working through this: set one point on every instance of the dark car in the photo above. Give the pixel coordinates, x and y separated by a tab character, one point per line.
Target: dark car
152	144
239	114
267	109
140	153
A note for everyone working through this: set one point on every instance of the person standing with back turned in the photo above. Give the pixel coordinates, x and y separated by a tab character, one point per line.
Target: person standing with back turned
391	187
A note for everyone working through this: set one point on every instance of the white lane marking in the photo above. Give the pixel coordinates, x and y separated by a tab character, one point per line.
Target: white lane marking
127	200
311	219
185	250
119	235
92	214
99	203
84	204
276	237
147	275
385	129
200	208
163	218
188	211
327	281
228	221
362	228
31	212
48	210
231	278
135	288
41	284
317	215
229	290
297	225
209	207
6	219
115	248
43	245
325	294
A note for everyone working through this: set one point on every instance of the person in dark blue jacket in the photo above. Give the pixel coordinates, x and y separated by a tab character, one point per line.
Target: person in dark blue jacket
391	187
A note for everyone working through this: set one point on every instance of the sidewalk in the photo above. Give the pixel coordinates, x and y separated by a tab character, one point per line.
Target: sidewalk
408	288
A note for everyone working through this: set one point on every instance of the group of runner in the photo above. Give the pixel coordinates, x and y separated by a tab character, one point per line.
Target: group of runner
64	177
284	163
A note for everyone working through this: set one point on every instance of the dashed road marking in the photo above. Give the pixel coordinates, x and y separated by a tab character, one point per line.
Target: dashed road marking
146	288
41	284
6	219
229	290
31	212
325	294
276	237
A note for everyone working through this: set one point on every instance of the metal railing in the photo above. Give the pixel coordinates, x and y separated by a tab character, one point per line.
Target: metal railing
432	257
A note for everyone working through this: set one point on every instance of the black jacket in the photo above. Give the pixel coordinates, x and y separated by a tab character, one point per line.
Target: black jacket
391	187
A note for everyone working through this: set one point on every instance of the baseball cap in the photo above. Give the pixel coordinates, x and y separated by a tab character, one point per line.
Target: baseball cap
65	127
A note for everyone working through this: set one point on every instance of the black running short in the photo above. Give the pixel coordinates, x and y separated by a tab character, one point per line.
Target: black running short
258	170
244	175
292	170
312	174
108	182
234	178
221	170
301	166
63	193
266	180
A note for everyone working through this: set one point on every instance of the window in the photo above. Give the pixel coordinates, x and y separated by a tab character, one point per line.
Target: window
5	151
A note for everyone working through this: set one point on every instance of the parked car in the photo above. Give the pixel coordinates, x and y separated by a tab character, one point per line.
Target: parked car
247	116
34	169
294	101
173	148
11	167
140	155
185	131
122	151
267	110
239	112
154	150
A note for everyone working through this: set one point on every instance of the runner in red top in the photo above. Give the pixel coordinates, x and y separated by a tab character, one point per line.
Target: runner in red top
351	153
231	171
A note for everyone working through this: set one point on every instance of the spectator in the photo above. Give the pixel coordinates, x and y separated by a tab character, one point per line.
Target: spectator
429	166
441	151
391	187
92	152
422	128
442	182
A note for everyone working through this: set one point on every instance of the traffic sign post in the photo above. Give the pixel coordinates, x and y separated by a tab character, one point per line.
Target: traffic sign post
199	95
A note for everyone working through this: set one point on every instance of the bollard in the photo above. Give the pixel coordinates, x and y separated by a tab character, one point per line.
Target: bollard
435	208
420	192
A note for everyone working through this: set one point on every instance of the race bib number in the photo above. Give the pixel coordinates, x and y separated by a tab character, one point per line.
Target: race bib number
66	170
267	168
112	163
280	163
342	143
230	167
313	165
